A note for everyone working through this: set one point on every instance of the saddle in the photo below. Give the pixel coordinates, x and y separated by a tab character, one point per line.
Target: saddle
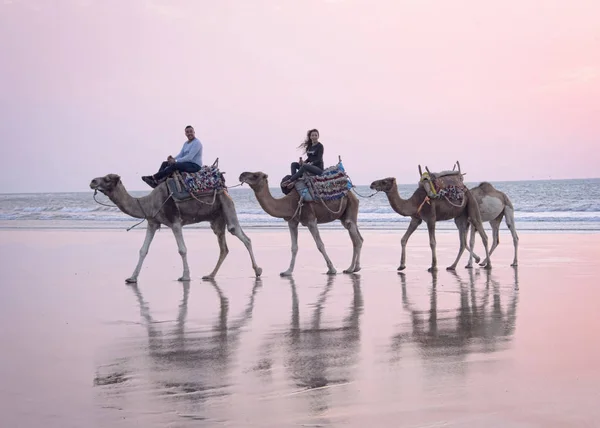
192	185
331	185
447	183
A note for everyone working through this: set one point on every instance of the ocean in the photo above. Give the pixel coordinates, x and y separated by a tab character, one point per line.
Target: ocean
550	205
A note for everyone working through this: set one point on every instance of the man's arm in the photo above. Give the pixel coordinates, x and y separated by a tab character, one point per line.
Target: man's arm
194	150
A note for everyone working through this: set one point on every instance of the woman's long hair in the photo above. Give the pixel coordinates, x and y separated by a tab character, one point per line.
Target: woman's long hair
307	143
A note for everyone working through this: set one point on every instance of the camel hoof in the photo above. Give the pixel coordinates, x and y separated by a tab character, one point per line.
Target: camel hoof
258	272
401	267
286	273
131	281
451	268
515	264
477	259
432	269
208	277
488	266
357	269
183	278
469	267
332	272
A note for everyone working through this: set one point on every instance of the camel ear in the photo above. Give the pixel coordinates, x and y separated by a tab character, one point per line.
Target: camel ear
266	176
114	178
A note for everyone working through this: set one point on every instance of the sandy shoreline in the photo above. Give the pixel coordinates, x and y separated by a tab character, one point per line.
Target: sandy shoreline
510	348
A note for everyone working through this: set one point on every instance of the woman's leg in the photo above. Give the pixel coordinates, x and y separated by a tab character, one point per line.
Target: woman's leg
306	168
295	167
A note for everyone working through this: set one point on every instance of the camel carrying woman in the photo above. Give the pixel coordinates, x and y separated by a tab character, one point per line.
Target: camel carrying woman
314	159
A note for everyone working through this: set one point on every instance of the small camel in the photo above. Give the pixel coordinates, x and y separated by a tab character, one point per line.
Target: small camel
160	208
493	205
433	211
295	211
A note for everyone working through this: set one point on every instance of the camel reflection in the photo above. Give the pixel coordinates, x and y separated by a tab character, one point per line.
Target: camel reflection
184	363
475	326
320	356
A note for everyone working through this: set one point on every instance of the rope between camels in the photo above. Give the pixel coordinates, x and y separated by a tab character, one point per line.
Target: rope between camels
354	188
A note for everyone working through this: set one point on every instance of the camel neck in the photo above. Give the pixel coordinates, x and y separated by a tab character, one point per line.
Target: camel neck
279	208
404	207
128	204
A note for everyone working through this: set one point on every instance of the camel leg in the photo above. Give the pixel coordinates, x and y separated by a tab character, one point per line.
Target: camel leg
314	231
495	236
178	232
414	224
293	226
233	225
218	227
510	222
463	225
484	240
150	231
357	241
432	244
239	233
470	247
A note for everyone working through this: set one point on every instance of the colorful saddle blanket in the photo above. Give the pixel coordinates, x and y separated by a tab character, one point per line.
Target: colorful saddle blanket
332	184
185	185
448	183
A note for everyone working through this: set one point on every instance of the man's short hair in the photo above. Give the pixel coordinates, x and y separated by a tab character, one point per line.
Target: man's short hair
188	127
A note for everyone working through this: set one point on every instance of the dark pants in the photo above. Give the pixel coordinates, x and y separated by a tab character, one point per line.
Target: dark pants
165	169
298	171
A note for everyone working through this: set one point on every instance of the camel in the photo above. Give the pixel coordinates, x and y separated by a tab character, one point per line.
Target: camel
159	208
295	211
433	211
493	205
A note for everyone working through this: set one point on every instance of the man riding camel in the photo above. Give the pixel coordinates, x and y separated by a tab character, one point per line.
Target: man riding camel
189	159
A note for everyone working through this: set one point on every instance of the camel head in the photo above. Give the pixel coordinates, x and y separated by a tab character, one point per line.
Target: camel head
106	184
255	180
384	185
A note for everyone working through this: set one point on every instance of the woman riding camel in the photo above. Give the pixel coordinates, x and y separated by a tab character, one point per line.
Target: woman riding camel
314	159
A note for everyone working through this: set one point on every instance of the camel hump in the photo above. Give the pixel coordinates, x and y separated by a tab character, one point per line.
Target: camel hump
486	186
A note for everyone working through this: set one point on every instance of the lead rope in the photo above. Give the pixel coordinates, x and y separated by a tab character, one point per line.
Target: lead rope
139	204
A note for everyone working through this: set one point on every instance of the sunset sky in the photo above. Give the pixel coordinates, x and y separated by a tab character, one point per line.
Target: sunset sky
90	87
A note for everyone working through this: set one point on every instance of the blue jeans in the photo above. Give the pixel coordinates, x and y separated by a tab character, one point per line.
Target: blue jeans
298	171
167	169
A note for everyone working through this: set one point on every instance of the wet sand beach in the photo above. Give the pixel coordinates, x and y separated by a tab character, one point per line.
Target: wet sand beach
510	347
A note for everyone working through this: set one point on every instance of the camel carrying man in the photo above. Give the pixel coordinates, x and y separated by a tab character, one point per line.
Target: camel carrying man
189	159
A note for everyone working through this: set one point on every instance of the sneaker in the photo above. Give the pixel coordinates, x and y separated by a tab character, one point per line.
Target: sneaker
149	181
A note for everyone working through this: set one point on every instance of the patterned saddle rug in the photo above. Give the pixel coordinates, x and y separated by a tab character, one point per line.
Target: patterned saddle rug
186	185
331	185
447	184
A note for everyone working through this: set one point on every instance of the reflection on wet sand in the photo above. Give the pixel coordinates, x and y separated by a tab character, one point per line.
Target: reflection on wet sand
181	364
474	326
318	356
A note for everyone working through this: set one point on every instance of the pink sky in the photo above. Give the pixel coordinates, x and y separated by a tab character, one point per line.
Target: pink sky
90	87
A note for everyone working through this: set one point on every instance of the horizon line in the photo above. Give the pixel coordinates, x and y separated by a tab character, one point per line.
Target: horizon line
357	185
